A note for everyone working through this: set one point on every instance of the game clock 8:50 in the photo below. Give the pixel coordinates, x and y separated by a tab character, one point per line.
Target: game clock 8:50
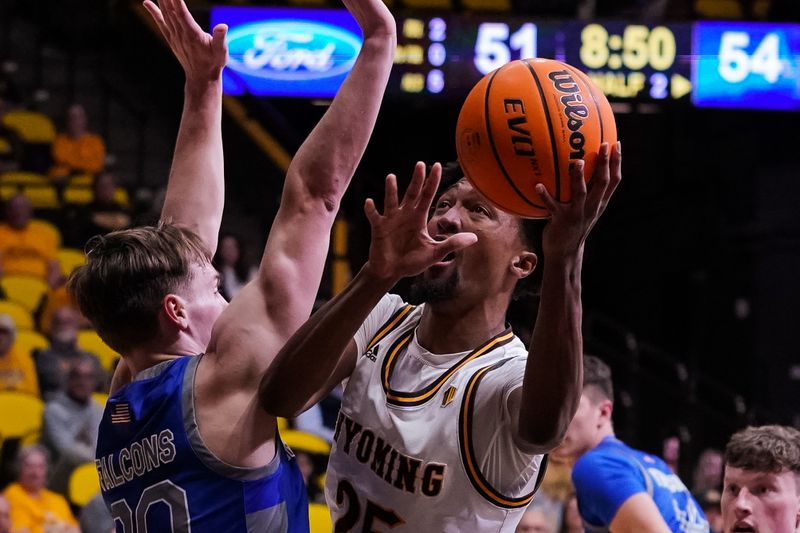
637	47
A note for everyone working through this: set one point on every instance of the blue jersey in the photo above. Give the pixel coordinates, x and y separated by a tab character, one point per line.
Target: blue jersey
157	475
606	476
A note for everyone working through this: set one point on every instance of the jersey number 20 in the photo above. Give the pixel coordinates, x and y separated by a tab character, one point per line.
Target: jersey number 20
165	492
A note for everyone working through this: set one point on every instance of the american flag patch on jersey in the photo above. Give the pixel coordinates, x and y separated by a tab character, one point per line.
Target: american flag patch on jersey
121	413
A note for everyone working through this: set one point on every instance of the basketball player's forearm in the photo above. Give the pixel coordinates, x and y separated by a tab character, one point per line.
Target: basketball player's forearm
196	189
328	158
311	361
554	373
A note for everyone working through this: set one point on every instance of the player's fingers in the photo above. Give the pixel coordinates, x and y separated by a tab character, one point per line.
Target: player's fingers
186	19
600	179
456	242
218	43
547	200
430	188
158	17
414	188
577	182
371	211
390	193
168	10
615	171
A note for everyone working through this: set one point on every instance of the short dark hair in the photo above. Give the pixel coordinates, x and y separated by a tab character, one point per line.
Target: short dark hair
530	233
126	276
765	449
597	377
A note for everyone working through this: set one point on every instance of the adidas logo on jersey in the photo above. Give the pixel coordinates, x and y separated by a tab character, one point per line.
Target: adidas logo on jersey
372	353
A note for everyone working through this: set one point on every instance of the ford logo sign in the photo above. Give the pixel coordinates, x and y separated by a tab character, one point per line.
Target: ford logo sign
292	50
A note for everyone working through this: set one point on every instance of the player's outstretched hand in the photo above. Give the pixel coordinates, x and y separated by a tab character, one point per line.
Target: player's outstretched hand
201	55
401	245
571	222
373	17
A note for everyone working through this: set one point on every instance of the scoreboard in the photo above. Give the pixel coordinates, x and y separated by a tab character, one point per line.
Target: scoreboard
307	52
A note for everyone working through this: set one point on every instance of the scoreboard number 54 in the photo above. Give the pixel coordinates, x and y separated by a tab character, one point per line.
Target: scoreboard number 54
735	64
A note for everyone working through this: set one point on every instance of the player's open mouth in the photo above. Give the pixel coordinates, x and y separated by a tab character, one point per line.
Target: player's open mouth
743	527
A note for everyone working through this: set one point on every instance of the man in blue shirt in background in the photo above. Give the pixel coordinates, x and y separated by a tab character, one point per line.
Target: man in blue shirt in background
620	489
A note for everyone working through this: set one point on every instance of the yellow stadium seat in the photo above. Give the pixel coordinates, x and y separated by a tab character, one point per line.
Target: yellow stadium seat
300	441
82	195
428	4
70	259
42	196
22	414
7	191
28	341
48	228
32	127
718	9
487	5
84	484
23	178
100	397
319	518
77	195
5	146
20	315
25	290
82	180
90	341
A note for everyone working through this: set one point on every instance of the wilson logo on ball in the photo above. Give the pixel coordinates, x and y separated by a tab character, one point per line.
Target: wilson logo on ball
574	109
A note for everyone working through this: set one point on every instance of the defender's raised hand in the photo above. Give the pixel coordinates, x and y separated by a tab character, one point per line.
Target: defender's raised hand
401	245
201	55
372	16
571	222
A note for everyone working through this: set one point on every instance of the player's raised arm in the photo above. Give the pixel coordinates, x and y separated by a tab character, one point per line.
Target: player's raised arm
308	367
195	192
280	299
553	381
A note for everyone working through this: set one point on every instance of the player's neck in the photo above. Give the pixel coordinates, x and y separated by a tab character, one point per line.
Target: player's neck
442	332
603	433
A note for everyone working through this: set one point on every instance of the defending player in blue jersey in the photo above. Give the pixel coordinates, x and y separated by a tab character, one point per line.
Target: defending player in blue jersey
620	489
184	446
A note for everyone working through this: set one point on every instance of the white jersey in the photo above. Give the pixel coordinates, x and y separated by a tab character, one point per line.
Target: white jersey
424	442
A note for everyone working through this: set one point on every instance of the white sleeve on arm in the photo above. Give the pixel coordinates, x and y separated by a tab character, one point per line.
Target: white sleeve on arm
388	305
510	470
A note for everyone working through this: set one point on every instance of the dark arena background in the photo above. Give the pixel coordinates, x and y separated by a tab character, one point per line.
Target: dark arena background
691	279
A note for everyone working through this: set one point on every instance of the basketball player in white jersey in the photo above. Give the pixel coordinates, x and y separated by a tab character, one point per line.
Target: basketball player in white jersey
446	417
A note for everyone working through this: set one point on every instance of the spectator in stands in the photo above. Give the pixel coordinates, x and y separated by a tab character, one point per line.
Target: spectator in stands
232	265
571	521
708	471
25	249
77	151
761	487
535	520
95	518
5	515
620	488
710	504
17	372
101	215
70	422
53	363
33	508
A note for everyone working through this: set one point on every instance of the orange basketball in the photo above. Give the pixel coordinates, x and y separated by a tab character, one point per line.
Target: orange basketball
523	124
